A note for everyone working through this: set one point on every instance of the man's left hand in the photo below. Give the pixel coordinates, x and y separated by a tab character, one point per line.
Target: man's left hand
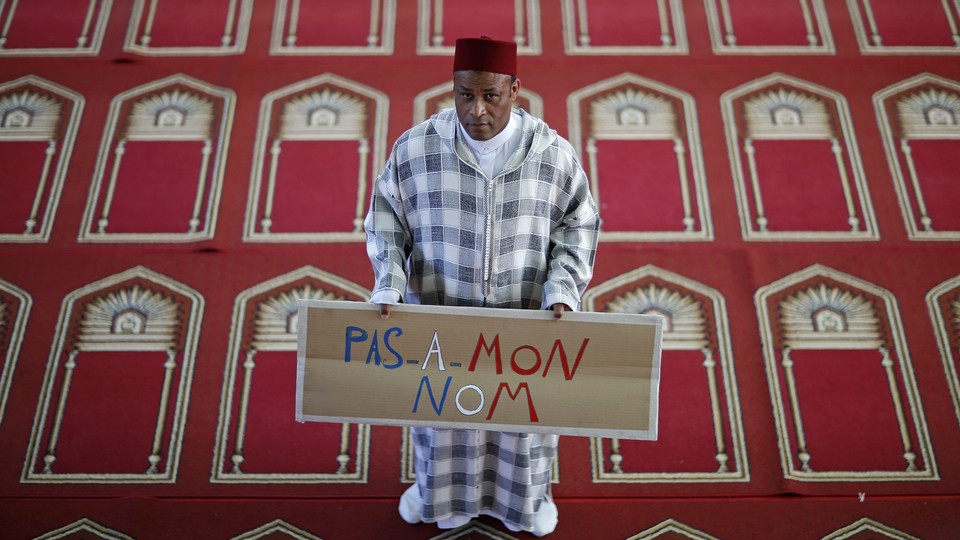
558	310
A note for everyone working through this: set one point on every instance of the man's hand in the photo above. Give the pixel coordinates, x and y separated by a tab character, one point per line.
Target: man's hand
558	310
385	311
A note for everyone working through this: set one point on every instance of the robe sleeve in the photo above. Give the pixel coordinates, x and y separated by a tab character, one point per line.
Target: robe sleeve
388	236
573	245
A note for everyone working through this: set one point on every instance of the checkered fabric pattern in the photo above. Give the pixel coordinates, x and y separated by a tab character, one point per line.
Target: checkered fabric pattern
525	239
472	472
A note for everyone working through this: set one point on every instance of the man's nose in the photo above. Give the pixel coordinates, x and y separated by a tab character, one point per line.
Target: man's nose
478	108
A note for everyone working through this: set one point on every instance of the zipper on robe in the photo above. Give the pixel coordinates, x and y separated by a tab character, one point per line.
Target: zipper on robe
487	240
488	233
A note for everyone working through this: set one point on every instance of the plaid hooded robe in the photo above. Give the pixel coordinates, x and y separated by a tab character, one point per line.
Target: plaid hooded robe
440	232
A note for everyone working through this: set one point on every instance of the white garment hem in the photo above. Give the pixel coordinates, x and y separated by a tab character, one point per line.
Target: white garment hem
544	521
411	505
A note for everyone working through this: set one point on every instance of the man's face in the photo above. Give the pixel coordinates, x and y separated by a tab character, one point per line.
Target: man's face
484	101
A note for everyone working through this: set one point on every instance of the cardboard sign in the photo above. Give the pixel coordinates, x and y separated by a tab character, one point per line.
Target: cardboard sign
594	374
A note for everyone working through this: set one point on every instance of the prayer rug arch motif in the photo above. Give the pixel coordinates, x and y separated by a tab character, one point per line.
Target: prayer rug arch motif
439	97
15	304
626	120
263	342
869	526
474	530
72	29
37	135
441	22
671	528
173	135
158	28
795	162
943	302
634	28
276	527
697	350
117	328
773	27
916	27
919	119
82	528
811	320
333	28
315	125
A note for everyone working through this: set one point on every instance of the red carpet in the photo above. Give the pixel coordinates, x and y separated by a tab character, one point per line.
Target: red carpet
778	179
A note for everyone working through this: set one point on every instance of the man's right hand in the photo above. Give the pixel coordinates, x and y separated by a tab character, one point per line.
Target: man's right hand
385	311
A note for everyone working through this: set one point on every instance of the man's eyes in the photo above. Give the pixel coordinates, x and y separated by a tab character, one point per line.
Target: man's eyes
488	97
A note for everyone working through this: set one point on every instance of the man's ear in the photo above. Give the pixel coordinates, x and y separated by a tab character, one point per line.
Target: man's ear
514	89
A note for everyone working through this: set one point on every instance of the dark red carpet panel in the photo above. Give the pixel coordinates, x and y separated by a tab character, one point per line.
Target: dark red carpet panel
779	179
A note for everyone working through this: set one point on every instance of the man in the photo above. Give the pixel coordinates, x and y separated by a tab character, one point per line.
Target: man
483	205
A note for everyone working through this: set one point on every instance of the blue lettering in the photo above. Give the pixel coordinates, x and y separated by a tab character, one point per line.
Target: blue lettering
386	343
438	408
354	335
374	350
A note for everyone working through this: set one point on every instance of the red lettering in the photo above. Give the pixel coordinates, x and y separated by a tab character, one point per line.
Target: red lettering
494	347
516	368
567	372
513	396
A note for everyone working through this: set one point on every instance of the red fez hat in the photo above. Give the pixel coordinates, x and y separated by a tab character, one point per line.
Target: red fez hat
485	54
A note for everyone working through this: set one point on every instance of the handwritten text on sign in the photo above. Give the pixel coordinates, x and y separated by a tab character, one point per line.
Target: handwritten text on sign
509	370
